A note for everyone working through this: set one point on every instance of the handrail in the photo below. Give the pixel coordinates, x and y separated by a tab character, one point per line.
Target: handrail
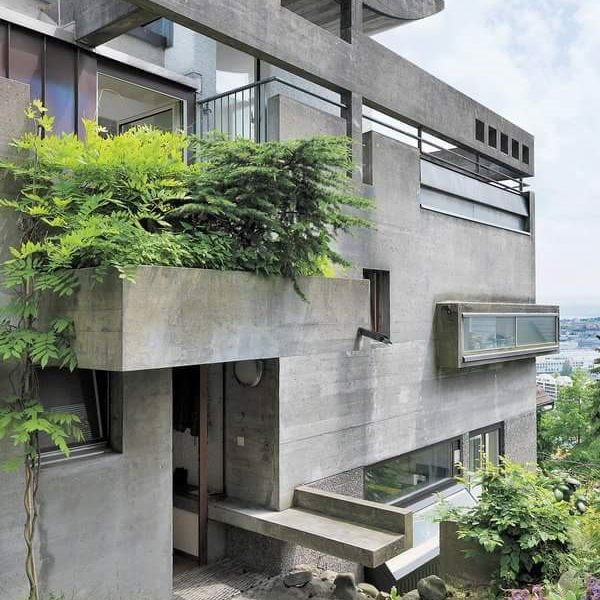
426	156
263	82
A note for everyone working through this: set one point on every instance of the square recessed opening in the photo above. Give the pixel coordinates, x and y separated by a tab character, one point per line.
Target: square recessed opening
479	130
515	149
504	143
492	137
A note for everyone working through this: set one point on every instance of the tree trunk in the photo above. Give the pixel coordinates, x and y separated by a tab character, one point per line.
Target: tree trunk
30	501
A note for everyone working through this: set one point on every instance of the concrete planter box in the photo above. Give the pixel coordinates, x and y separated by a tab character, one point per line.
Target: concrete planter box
174	317
478	570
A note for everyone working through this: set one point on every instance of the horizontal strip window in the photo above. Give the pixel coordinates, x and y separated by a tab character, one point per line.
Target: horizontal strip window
473	211
488	335
405	478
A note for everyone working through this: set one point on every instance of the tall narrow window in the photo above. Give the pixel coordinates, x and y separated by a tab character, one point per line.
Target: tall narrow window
380	299
492	137
479	130
504	143
526	154
515	149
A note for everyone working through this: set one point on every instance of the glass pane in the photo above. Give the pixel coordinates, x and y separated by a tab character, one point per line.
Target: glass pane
409	473
122	104
492	446
488	333
60	85
83	393
536	330
234	69
25	60
475	452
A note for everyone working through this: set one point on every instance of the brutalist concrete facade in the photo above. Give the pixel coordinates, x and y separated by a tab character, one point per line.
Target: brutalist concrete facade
324	414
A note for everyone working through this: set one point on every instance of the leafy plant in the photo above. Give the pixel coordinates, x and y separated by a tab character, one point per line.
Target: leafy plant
518	518
119	202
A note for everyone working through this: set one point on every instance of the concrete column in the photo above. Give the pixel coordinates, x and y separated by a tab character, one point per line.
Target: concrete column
351	20
353	115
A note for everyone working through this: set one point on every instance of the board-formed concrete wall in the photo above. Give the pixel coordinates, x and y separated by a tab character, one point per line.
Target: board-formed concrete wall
105	522
343	410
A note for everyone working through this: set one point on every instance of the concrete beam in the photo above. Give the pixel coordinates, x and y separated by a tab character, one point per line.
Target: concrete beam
384	79
100	21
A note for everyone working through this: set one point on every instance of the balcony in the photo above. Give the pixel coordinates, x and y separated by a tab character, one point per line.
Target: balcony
471	334
173	316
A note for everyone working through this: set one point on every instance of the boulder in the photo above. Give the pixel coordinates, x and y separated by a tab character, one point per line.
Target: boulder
412	595
317	588
345	587
297	579
383	596
368	589
432	588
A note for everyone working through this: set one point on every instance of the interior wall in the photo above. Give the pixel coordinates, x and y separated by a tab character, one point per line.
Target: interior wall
252	437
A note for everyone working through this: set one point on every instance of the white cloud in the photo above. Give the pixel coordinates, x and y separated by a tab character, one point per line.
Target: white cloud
535	63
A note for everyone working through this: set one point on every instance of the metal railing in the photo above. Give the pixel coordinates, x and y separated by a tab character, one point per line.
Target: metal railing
516	185
242	111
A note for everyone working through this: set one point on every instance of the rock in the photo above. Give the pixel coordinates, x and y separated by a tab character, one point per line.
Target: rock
297	579
317	588
345	587
368	589
412	595
328	576
432	588
383	596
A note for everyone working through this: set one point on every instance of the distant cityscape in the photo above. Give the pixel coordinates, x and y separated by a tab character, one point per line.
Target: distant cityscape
578	343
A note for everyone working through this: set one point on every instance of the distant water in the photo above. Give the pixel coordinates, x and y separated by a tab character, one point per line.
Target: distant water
572	311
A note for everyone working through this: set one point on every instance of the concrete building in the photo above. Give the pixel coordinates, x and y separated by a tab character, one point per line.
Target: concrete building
550	384
226	416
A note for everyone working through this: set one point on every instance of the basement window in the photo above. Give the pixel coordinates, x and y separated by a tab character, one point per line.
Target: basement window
380	299
84	393
402	479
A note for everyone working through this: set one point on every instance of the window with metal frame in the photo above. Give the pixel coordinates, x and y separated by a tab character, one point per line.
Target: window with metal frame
84	393
421	472
486	444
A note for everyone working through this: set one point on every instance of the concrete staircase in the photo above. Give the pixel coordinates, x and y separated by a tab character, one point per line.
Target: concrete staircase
357	530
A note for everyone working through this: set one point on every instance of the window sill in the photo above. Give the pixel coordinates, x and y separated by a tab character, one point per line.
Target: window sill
56	457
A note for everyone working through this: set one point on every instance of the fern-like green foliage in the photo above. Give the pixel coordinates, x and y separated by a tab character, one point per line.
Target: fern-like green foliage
135	199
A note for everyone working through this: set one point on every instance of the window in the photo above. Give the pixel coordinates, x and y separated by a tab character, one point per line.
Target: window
526	154
380	299
486	333
492	137
485	443
479	130
515	149
419	472
84	393
504	143
122	105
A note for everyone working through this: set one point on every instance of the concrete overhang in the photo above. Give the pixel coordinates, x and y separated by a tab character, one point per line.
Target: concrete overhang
175	316
357	530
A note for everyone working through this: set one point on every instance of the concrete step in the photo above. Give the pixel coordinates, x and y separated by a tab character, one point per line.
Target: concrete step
362	543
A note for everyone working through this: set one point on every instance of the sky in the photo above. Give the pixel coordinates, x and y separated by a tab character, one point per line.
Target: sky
537	63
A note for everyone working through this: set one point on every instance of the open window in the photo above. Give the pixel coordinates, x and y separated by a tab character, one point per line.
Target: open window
481	333
85	393
122	105
380	299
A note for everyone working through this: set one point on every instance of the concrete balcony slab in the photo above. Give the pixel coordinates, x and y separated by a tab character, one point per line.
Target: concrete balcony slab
175	317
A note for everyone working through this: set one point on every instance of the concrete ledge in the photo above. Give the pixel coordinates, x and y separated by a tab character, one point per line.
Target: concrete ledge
367	546
174	317
364	512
